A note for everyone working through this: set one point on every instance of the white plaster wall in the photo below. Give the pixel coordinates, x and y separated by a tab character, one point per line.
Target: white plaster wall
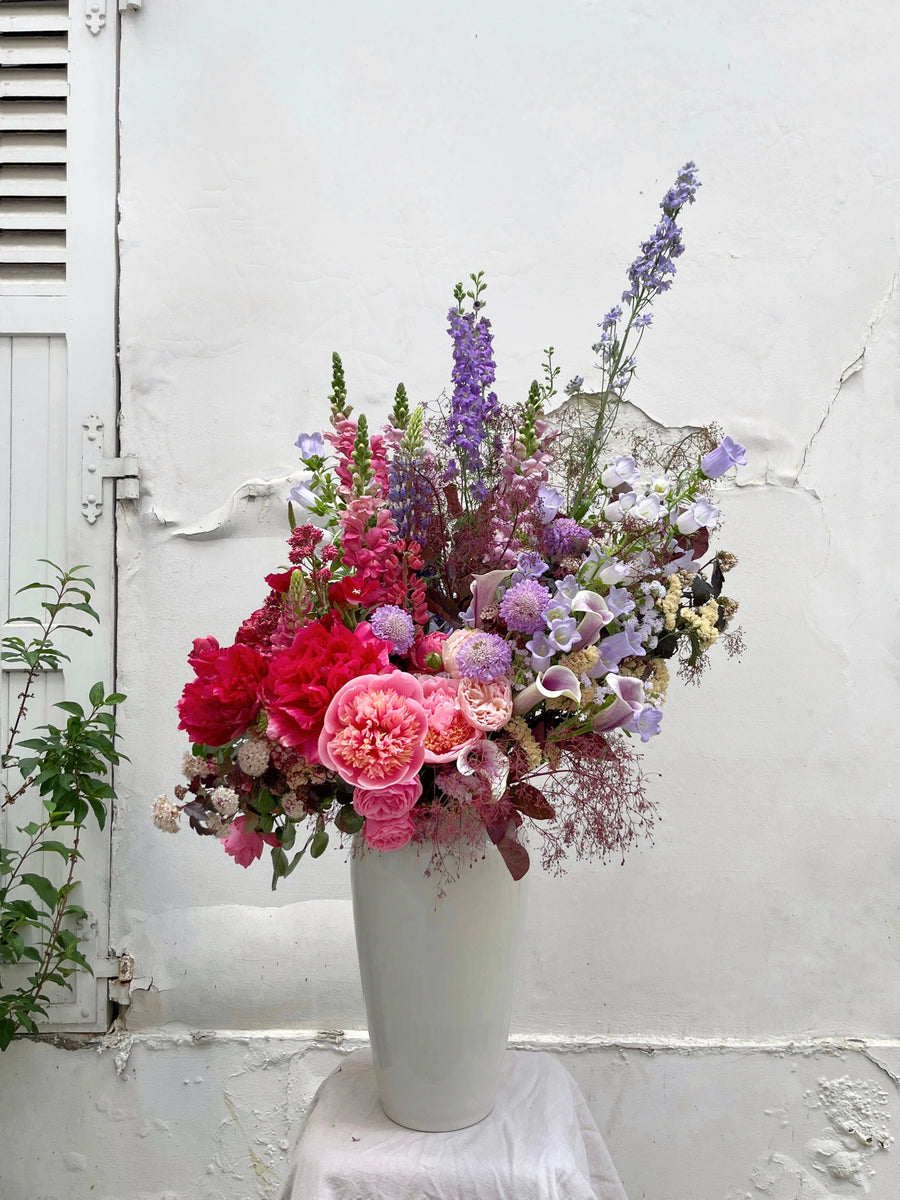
300	178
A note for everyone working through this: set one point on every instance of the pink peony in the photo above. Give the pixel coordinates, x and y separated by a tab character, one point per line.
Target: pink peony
246	845
487	706
390	834
384	803
448	730
374	731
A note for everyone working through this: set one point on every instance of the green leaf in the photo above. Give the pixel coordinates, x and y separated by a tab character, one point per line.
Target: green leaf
115	698
319	843
43	887
57	848
348	819
7	1032
70	706
96	694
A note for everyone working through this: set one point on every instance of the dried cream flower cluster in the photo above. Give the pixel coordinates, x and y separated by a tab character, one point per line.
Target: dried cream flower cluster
165	814
518	729
703	622
193	767
253	756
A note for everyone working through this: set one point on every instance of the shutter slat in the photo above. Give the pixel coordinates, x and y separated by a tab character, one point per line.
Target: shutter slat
33	248
36	23
24	83
33	52
22	180
32	114
40	212
33	148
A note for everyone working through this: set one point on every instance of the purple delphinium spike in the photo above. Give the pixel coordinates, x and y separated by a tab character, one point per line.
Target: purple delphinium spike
473	403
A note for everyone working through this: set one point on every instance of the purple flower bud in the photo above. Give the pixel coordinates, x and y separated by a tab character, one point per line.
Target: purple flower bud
727	454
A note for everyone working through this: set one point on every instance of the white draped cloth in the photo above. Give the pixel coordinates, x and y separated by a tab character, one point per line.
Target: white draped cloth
539	1143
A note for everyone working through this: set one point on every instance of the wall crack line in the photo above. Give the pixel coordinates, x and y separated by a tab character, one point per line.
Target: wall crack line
850	369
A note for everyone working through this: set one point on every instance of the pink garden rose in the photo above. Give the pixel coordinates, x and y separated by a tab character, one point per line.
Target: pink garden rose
448	730
390	834
487	706
246	845
450	649
374	731
385	803
431	643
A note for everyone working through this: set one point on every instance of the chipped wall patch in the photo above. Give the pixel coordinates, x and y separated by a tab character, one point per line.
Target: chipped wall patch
857	1108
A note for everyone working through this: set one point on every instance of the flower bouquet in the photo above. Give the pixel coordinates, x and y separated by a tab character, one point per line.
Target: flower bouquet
476	621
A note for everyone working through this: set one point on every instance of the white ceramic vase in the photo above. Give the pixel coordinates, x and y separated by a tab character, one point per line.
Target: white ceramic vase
438	975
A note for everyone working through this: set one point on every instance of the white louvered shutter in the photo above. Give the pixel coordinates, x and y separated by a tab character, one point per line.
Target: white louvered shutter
58	368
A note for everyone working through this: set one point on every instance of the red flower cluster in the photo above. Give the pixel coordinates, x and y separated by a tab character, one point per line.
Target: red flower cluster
303	679
223	701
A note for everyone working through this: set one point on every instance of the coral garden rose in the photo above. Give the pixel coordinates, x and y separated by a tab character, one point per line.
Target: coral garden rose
374	731
449	732
304	678
487	706
246	845
385	803
224	700
390	834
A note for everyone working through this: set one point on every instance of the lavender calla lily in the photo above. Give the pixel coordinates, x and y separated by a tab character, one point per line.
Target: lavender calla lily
596	617
484	590
550	684
626	701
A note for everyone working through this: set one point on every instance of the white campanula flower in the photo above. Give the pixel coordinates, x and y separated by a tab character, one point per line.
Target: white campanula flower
650	509
700	514
619	507
623	470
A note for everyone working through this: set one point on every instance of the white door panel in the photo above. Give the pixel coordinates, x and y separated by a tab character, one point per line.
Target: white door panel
58	367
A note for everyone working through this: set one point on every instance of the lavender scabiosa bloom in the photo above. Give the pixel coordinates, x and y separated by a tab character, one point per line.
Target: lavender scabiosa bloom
484	656
393	624
473	404
524	606
564	537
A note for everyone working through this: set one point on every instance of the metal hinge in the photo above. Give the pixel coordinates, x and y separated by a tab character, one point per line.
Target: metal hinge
95	468
120	973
